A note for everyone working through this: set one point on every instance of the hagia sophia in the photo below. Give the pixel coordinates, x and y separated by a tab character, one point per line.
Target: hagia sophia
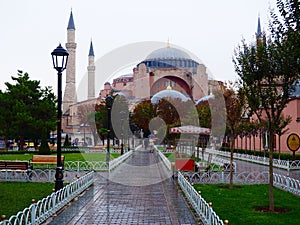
163	68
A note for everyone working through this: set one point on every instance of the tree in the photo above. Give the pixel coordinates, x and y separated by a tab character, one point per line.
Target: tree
234	103
142	114
87	116
28	109
269	71
67	141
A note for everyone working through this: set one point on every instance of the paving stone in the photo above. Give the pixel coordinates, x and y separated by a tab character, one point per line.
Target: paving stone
140	191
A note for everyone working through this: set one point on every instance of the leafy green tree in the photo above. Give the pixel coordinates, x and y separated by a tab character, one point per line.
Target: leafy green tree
204	113
269	71
142	114
28	109
44	148
234	102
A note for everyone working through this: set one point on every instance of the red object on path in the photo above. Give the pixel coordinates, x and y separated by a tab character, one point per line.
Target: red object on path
185	164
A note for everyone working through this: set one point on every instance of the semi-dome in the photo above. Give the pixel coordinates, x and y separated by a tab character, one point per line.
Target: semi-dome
169	58
169	93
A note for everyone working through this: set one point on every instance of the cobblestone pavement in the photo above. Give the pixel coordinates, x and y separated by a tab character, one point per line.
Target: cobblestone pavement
139	191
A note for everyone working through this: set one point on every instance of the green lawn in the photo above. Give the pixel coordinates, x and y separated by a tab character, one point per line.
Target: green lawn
68	156
170	156
238	205
15	196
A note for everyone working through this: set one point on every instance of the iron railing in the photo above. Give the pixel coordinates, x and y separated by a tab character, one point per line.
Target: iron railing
282	164
202	208
39	212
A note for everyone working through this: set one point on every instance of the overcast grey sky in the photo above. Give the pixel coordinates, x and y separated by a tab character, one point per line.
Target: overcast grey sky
31	29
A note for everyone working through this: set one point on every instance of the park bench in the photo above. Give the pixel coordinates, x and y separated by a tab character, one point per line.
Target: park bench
15	170
46	159
14	166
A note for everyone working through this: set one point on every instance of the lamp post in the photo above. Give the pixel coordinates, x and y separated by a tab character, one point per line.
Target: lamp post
60	59
108	103
122	113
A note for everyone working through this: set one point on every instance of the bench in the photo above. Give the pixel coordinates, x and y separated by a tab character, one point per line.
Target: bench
46	159
18	166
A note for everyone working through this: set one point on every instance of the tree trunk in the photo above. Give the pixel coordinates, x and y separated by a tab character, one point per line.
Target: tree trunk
254	144
260	141
271	194
231	159
22	142
279	146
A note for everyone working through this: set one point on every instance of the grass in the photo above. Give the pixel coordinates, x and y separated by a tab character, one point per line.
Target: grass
16	196
68	156
170	156
238	204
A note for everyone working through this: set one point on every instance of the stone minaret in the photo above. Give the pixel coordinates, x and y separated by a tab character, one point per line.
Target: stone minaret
70	88
91	73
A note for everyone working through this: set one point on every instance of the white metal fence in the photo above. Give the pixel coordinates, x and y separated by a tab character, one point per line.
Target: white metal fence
282	164
117	161
286	183
165	160
39	212
202	208
280	181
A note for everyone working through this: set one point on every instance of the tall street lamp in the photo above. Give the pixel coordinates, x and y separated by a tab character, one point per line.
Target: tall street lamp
122	113
108	103
60	59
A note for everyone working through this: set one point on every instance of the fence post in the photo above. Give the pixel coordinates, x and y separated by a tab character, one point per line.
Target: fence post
222	176
209	213
33	212
288	182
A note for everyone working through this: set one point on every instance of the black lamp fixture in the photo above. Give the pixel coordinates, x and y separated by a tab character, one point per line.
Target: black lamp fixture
60	60
108	103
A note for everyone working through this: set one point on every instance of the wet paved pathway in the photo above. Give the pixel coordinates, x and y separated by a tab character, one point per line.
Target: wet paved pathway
139	191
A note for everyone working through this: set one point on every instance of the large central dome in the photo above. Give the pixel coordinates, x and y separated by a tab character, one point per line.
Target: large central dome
169	58
168	53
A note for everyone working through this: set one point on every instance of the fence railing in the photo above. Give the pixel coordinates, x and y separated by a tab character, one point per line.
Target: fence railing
224	177
117	161
38	175
39	212
202	208
287	183
282	164
85	165
165	160
280	181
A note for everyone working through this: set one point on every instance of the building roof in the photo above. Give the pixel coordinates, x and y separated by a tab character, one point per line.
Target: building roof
168	53
169	57
71	25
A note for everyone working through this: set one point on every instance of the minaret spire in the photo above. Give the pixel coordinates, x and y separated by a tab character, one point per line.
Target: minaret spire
91	72
71	25
91	52
259	32
70	88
